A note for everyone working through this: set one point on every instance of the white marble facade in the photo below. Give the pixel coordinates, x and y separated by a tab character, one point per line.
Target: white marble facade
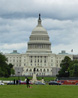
38	55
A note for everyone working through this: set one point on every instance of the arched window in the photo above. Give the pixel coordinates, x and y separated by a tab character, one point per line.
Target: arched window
30	70
37	70
44	70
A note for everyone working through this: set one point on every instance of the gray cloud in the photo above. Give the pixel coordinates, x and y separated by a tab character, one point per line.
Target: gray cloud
18	18
55	9
8	48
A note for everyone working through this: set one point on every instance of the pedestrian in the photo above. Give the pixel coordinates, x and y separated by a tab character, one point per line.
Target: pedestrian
14	81
19	82
27	82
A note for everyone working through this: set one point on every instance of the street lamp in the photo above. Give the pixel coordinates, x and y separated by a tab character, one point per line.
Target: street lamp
18	75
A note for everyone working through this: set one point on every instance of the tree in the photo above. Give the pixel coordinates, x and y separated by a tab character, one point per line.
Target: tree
64	72
12	71
5	69
73	69
69	68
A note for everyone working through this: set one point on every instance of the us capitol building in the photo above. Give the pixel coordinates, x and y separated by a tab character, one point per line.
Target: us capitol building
38	55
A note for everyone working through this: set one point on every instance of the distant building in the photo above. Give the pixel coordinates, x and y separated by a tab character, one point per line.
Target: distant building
38	55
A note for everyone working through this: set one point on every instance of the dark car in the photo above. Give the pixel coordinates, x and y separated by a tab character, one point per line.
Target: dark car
39	83
54	83
14	83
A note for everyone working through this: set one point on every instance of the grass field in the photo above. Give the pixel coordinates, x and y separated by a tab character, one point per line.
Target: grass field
38	91
23	78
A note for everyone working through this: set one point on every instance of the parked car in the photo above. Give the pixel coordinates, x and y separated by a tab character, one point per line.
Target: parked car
39	83
24	82
54	83
1	83
13	83
10	83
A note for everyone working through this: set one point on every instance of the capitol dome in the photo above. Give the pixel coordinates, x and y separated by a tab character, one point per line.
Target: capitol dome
39	39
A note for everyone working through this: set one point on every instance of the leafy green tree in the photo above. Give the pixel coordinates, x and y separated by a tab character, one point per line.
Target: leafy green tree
12	71
64	72
69	68
5	69
73	69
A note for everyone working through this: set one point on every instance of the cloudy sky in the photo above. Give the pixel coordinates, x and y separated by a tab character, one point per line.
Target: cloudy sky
19	17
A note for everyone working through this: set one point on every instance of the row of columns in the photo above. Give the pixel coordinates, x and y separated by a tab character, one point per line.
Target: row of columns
39	46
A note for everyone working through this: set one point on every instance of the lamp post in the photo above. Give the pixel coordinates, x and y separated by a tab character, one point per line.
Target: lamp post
18	75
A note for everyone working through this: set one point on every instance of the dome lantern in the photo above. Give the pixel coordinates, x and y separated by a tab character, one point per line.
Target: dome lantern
39	20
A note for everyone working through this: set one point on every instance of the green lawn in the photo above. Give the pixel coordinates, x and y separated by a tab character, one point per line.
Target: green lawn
23	78
38	91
